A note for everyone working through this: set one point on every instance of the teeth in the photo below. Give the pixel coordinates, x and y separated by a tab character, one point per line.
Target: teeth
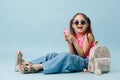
79	27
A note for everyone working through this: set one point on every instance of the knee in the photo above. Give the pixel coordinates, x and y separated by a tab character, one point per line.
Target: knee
66	55
52	54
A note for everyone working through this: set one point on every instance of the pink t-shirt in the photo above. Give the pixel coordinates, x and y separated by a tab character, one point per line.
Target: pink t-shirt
80	42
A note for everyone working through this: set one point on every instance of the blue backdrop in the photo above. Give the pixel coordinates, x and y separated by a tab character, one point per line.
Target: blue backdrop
36	26
40	23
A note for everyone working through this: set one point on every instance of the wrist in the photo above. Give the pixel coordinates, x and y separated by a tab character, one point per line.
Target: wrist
70	43
72	40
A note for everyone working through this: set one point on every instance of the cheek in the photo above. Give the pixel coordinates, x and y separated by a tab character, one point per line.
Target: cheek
85	28
73	26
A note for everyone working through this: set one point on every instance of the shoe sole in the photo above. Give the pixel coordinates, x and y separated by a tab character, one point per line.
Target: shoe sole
18	60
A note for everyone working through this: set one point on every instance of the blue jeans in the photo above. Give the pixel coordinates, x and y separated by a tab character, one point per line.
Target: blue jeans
62	62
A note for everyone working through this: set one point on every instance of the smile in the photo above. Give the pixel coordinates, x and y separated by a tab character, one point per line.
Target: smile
79	27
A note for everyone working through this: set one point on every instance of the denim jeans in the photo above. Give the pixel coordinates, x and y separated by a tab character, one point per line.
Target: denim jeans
61	62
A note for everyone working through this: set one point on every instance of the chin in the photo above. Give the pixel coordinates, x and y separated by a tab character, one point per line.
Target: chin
80	31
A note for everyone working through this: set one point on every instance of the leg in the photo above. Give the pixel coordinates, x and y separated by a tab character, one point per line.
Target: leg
28	67
43	59
25	67
63	62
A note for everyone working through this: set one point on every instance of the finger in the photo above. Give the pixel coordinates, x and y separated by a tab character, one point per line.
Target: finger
66	35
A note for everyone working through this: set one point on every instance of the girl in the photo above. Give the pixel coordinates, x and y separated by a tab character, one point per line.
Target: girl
80	40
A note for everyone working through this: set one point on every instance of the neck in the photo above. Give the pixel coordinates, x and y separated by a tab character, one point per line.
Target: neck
80	35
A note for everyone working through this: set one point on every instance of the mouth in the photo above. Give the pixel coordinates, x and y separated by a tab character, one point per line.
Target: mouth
79	27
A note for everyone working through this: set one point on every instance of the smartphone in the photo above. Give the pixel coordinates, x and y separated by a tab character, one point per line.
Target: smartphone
66	32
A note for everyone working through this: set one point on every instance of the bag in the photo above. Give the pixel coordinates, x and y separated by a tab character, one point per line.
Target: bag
99	60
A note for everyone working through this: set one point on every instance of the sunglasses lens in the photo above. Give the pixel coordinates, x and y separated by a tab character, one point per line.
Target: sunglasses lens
76	22
83	22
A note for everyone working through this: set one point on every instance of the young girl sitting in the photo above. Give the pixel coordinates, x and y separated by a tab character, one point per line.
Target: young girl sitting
80	40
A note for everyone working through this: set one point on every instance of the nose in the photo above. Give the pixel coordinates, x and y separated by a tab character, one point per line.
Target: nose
79	25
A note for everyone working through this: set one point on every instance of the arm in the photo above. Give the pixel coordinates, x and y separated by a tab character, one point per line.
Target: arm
70	44
71	48
86	45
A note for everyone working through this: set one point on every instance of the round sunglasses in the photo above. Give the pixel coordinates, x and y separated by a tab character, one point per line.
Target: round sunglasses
83	22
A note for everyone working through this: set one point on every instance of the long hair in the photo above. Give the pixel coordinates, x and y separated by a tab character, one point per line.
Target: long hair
89	28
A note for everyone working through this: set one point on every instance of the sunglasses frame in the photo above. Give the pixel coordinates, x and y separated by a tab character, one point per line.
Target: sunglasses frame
83	22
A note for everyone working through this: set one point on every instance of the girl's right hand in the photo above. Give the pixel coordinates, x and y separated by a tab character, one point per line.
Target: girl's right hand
66	37
69	38
66	34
